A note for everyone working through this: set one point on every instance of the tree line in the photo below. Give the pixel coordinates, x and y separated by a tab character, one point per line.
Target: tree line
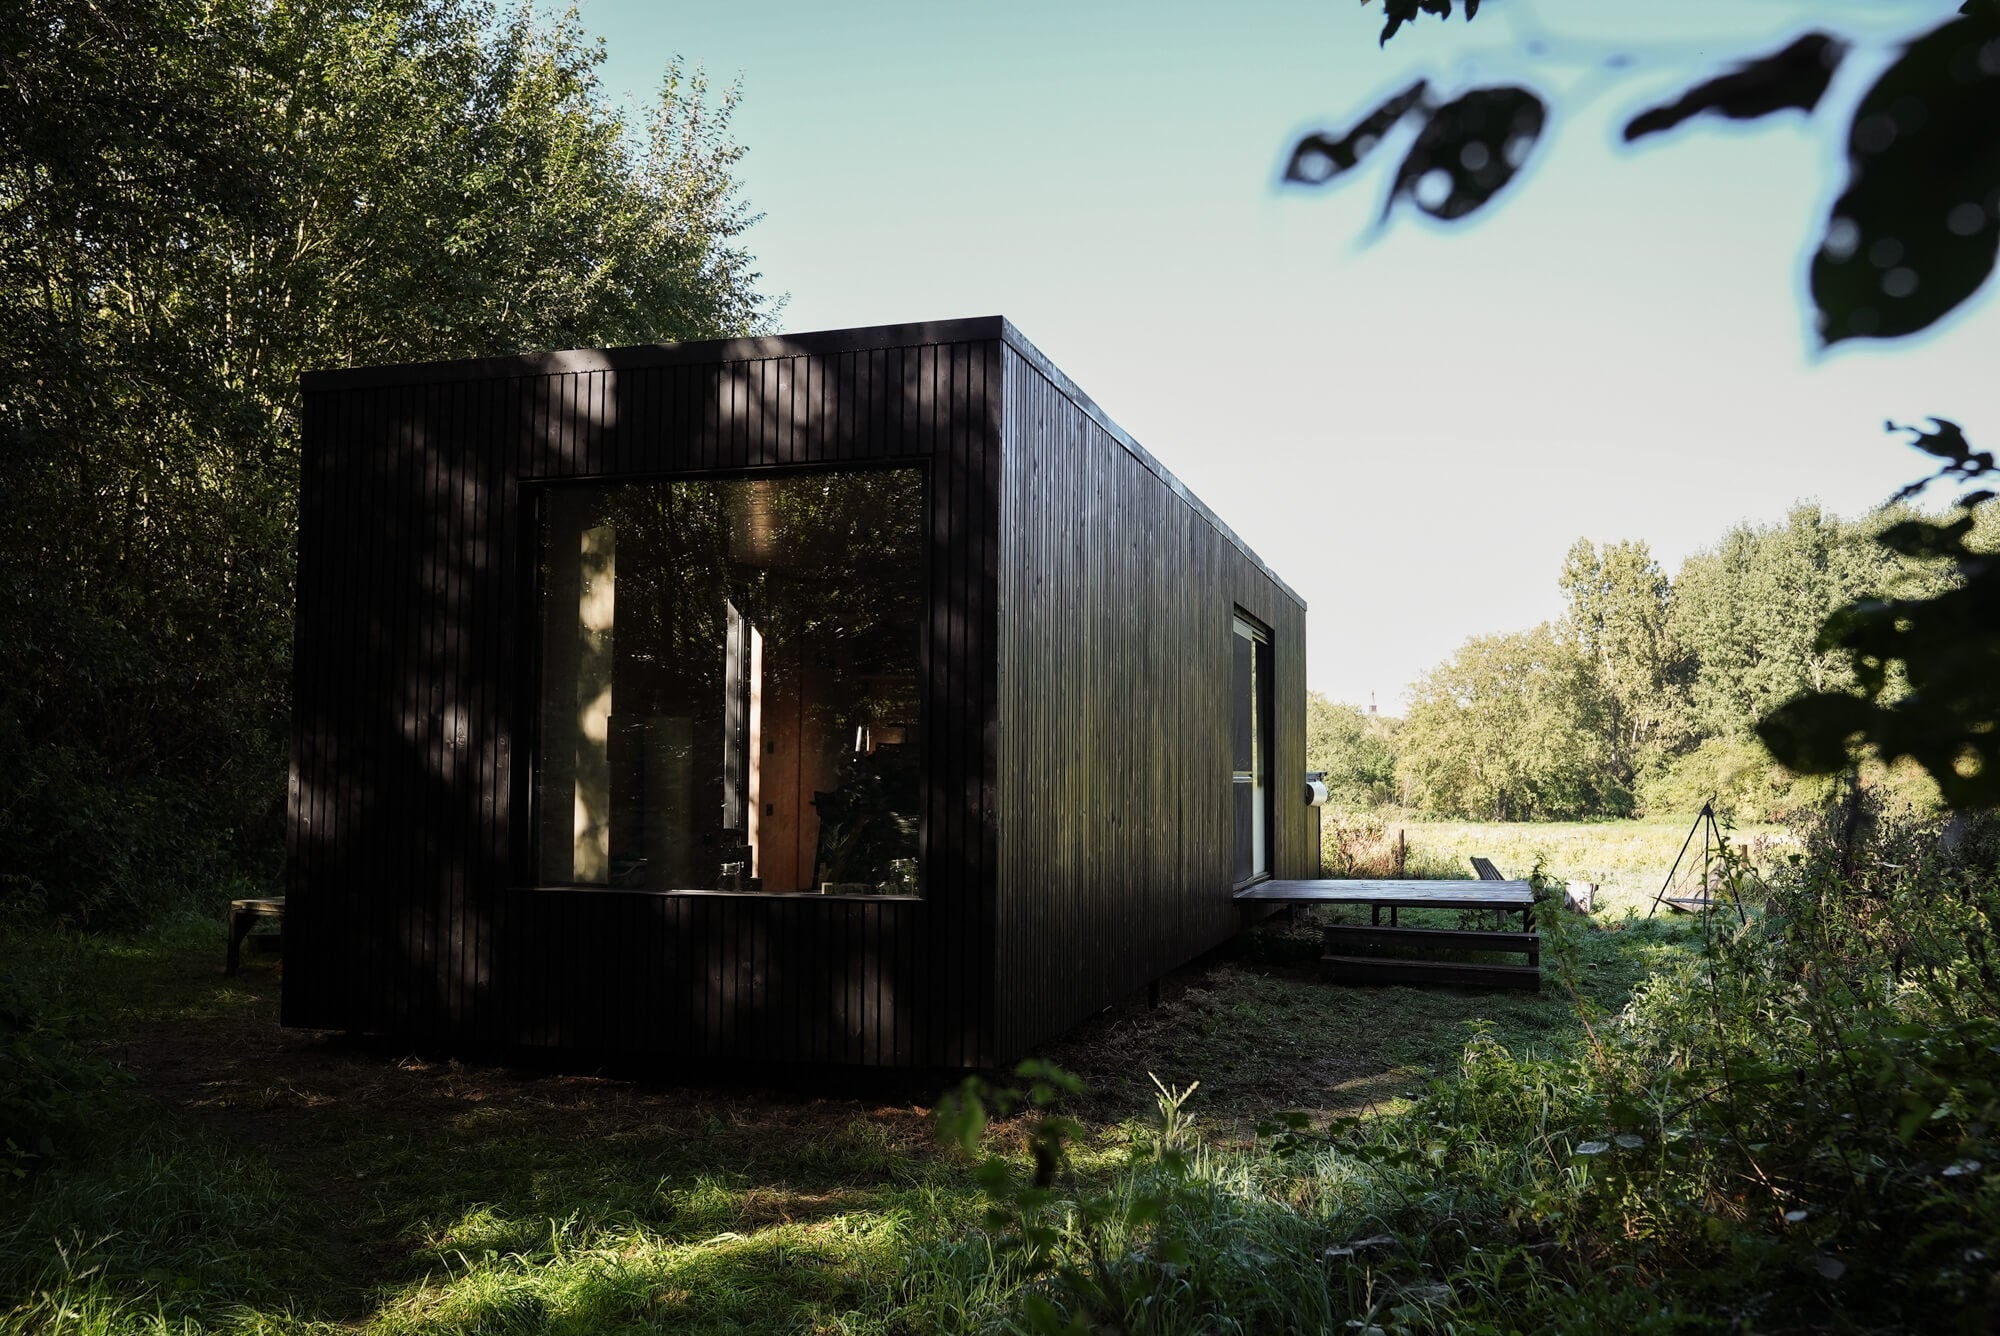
1644	695
199	199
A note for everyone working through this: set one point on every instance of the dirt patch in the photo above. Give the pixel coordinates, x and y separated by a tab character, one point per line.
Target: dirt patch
1255	1027
239	1070
1257	1038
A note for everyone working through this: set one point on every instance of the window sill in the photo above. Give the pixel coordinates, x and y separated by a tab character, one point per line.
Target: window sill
813	896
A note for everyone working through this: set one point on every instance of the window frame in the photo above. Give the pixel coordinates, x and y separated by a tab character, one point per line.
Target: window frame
1263	642
524	823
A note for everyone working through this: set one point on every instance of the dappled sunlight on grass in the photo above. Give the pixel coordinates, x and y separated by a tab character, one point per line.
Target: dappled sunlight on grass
1417	1159
250	1179
487	1273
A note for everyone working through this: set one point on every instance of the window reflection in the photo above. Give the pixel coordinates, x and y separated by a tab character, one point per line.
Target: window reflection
729	684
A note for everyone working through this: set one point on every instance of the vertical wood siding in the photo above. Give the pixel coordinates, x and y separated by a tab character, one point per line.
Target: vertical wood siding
413	695
1116	604
1076	837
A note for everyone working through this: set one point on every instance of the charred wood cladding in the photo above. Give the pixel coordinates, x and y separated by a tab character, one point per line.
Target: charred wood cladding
863	697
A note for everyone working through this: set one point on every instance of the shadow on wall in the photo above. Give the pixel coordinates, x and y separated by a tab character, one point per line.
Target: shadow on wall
416	701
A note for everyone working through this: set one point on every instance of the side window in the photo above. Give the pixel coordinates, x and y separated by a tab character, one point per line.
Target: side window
1250	745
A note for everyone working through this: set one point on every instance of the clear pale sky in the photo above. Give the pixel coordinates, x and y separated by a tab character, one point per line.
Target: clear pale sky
1411	425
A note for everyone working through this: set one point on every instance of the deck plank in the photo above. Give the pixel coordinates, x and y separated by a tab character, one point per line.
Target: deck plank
1361	969
1402	894
1340	935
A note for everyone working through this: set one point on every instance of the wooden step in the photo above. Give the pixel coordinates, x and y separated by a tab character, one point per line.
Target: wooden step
1370	969
1339	935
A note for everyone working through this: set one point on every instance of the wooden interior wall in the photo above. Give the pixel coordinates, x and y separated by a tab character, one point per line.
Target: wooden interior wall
1117	598
414	705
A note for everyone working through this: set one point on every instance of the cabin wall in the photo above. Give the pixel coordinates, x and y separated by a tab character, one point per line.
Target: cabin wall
410	911
1117	597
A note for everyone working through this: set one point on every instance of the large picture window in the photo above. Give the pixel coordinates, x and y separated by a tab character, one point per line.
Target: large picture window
728	692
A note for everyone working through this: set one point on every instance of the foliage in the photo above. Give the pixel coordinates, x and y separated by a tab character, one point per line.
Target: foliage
1923	670
1827	1060
1511	727
868	830
1828	1072
1395	13
1618	599
1915	228
201	200
1737	774
253	1180
1750	610
1668	678
1792	1127
49	1085
1361	842
1355	751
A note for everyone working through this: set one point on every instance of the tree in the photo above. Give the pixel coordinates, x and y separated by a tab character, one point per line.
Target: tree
1751	608
200	199
1511	728
1354	750
1619	604
1924	669
1668	677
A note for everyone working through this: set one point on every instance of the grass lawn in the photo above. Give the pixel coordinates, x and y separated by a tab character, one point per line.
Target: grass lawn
245	1178
1628	859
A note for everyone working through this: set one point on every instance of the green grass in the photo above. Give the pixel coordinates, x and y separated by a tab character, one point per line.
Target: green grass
1628	859
1260	1032
248	1179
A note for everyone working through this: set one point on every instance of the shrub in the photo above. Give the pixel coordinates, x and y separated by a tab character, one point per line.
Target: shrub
48	1085
1791	1127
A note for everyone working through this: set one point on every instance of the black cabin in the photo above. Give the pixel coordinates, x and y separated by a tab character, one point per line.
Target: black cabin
854	697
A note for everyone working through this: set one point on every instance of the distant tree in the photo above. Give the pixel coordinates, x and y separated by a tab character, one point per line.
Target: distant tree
1751	609
1511	728
1619	613
1922	668
199	199
1355	750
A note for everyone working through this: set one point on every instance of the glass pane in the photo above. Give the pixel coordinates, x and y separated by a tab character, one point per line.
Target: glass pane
1250	745
729	684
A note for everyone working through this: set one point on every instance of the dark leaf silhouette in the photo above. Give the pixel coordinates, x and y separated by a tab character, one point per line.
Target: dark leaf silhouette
1794	77
1947	442
1916	230
1924	540
1946	439
1395	13
1814	734
1469	149
1948	649
1319	158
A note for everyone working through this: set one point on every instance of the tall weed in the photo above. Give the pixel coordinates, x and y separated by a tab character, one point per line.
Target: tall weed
1791	1126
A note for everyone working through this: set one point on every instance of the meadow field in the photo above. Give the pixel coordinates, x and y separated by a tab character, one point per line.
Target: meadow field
1627	859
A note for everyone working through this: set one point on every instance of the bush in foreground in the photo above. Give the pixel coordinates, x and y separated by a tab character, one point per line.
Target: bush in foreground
1793	1130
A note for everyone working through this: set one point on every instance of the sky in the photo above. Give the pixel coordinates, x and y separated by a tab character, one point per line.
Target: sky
1411	423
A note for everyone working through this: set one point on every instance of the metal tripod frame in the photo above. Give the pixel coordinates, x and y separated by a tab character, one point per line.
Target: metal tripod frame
1711	838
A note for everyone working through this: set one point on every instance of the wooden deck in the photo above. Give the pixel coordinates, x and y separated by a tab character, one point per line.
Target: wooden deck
1514	895
1340	965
